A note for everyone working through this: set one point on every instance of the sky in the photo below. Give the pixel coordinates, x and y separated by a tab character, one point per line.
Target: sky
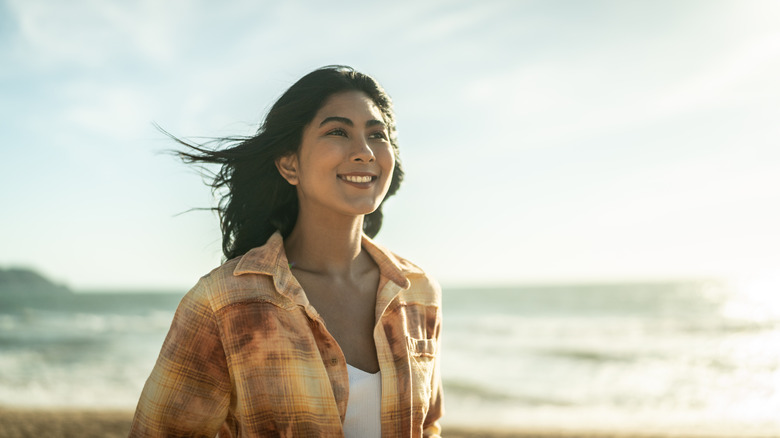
543	141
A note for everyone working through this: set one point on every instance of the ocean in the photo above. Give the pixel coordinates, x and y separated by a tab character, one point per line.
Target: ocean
685	357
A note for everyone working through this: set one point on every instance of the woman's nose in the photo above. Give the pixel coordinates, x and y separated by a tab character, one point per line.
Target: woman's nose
362	151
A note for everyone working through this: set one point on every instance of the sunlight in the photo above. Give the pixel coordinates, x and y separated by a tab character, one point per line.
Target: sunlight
754	299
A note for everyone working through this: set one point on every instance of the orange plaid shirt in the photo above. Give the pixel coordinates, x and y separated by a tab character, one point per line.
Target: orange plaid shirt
248	356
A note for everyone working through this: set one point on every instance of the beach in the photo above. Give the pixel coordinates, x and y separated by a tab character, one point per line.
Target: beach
18	423
622	360
92	423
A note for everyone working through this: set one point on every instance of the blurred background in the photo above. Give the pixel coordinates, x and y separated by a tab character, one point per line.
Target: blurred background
596	185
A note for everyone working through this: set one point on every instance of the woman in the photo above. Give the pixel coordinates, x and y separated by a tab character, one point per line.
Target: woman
309	328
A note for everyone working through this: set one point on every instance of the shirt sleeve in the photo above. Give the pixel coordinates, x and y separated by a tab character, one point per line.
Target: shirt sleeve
188	391
431	425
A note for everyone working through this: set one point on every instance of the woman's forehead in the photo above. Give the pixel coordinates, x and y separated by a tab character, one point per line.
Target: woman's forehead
351	105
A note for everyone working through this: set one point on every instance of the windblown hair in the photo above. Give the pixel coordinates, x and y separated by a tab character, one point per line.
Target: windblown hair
255	200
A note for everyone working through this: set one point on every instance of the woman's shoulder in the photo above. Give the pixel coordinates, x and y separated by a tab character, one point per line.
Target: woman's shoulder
421	285
413	272
238	280
389	260
423	289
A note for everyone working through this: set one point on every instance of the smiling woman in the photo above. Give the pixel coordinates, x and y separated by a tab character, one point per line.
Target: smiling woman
309	328
338	156
258	201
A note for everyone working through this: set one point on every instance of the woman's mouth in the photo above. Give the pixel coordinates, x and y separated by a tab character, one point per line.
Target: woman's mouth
359	179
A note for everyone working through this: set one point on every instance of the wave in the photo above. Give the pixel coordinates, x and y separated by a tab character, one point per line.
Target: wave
469	389
589	355
58	323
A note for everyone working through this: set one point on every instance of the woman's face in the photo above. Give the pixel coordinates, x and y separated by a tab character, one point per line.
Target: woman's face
345	161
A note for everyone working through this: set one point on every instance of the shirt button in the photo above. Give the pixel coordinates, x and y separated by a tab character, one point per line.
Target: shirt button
334	361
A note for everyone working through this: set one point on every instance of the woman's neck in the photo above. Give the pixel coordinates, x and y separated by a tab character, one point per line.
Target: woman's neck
330	248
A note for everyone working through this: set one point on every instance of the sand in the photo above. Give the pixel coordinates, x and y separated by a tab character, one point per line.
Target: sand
64	423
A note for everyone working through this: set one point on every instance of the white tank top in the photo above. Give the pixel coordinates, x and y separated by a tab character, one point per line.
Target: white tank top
364	405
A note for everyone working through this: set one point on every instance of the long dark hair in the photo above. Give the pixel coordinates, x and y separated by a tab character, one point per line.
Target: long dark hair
256	201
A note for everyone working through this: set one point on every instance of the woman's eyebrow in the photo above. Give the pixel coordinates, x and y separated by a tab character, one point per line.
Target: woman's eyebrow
348	122
375	122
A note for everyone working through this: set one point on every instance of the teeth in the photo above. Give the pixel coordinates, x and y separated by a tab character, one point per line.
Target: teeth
357	179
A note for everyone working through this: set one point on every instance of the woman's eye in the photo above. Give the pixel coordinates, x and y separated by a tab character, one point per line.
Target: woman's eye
380	135
338	131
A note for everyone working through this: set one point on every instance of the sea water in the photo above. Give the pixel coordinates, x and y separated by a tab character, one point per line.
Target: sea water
695	357
692	357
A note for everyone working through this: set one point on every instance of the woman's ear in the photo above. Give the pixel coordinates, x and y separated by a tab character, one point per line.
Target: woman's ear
288	168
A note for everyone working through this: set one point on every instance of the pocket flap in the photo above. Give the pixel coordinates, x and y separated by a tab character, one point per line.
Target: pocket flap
421	347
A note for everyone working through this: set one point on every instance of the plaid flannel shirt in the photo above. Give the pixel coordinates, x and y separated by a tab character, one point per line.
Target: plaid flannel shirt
248	356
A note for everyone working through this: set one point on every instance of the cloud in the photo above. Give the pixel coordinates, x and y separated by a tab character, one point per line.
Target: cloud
92	33
117	111
610	90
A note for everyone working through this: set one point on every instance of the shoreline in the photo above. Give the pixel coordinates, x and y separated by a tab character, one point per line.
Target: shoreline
111	423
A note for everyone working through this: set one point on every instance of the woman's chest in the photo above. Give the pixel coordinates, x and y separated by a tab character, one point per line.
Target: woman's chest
349	315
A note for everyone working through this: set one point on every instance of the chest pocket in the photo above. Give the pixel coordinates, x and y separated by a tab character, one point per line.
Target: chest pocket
422	358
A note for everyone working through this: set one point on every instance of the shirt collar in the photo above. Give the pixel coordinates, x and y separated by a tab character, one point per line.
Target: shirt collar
270	259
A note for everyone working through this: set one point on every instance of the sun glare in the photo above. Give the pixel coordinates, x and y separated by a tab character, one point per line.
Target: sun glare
754	299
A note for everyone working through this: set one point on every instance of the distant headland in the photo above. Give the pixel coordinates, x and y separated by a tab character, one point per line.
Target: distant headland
27	281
